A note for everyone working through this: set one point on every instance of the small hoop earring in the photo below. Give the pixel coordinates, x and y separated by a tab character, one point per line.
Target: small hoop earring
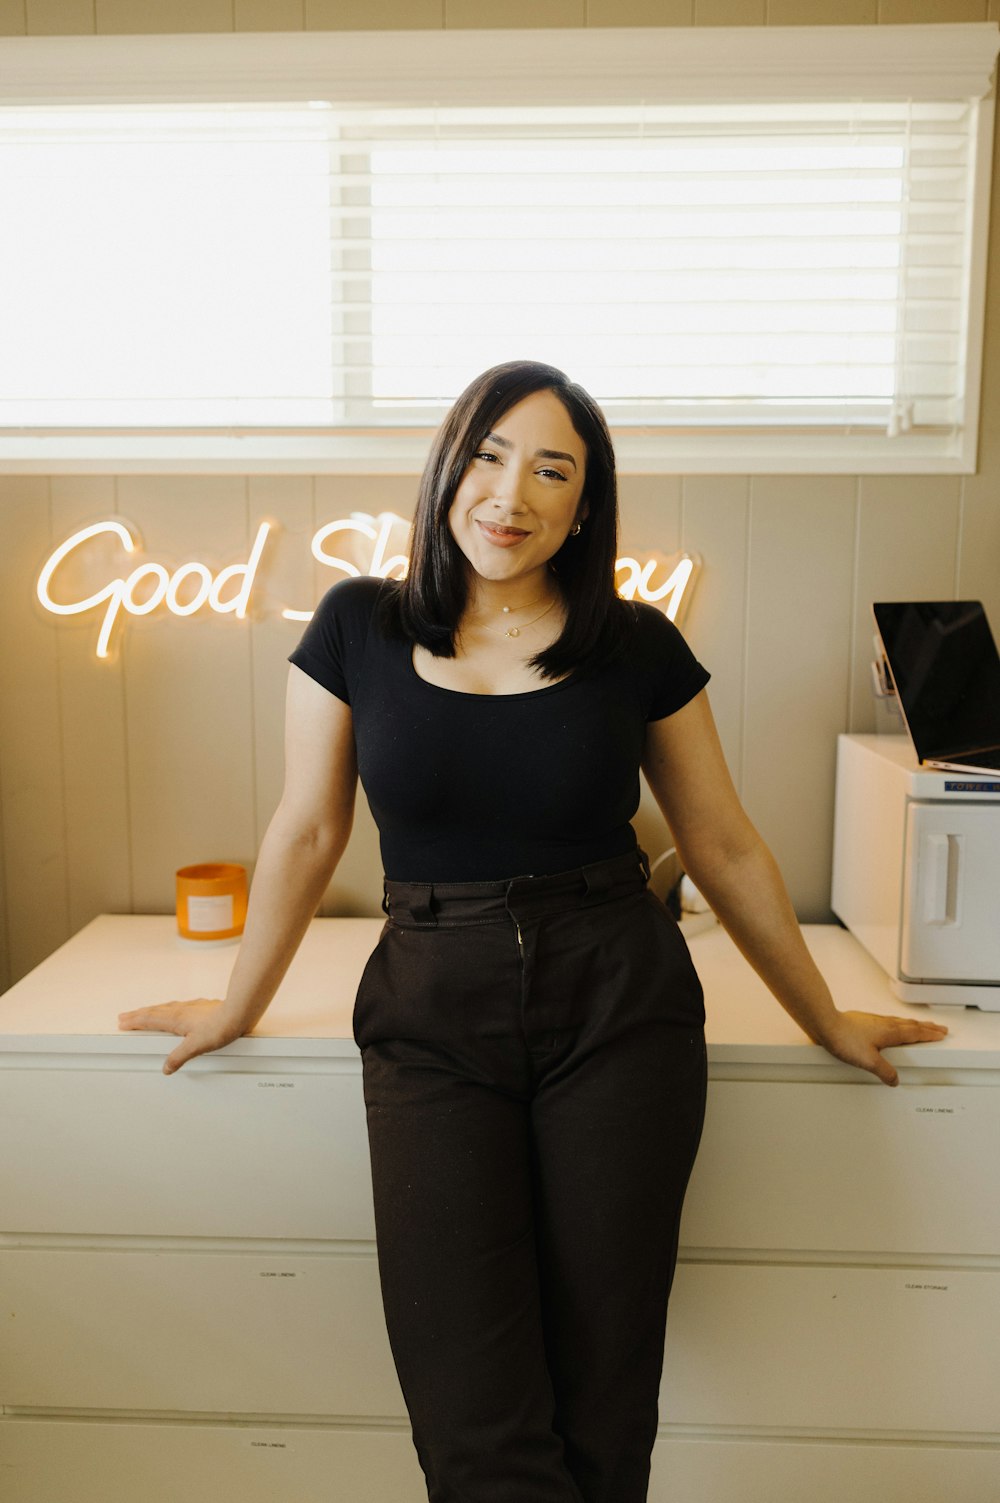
574	530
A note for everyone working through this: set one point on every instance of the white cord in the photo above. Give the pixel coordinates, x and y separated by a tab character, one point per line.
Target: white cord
665	856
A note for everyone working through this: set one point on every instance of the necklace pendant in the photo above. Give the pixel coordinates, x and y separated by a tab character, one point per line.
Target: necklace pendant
513	632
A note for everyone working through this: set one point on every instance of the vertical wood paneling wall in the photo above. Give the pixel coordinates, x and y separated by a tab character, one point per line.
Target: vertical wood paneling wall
112	774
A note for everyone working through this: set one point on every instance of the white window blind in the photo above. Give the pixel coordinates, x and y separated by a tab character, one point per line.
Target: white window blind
767	265
693	266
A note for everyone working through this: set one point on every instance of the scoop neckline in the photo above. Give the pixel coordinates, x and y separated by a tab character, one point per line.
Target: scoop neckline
472	694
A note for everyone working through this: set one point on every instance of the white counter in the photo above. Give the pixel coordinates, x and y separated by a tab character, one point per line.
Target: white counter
120	962
188	1272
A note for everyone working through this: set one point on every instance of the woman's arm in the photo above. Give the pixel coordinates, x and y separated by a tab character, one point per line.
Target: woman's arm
729	862
297	858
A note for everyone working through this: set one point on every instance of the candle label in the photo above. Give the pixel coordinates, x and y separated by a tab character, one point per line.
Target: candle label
208	915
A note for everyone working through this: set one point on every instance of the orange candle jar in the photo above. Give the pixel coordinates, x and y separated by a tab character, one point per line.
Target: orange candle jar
211	901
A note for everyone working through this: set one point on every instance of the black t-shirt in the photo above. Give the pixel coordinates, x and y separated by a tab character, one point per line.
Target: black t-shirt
477	787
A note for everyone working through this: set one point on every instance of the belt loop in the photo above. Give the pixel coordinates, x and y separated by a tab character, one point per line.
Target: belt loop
418	903
603	877
411	899
414	899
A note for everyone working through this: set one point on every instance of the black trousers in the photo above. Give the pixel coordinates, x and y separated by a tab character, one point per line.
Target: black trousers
534	1075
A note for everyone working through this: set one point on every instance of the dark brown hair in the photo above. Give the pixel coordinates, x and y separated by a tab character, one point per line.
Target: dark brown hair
428	604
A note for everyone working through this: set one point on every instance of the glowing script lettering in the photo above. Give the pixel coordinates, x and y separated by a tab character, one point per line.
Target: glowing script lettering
123	594
376	530
365	544
638	584
635	579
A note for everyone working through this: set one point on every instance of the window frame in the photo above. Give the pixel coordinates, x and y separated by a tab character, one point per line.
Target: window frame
558	66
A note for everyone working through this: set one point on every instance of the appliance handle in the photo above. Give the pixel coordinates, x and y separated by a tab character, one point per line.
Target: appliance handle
941	856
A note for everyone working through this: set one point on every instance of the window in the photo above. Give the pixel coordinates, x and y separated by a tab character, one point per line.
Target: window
696	266
742	282
172	268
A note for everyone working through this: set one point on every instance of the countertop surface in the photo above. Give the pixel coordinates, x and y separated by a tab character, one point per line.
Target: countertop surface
70	1003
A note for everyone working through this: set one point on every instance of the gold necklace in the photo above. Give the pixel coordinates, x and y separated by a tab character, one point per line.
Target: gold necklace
515	631
506	609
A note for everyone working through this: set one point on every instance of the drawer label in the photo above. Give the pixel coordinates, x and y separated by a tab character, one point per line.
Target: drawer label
943	1287
276	1085
274	1274
268	1445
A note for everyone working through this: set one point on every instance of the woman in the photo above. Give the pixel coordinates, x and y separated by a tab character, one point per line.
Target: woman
530	1023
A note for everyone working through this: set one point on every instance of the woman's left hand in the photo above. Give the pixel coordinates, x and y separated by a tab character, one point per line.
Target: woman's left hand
857	1037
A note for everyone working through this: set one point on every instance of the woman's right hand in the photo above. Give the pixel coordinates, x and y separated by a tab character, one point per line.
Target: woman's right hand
199	1022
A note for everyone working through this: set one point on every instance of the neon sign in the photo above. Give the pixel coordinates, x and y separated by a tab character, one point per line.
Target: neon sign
377	530
193	586
121	593
639	584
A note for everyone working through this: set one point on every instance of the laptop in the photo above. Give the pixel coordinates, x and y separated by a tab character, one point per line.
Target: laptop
944	664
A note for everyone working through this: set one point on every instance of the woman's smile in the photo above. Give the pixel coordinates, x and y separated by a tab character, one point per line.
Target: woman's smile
502	536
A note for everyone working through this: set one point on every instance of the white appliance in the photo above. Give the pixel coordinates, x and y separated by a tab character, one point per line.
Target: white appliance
916	871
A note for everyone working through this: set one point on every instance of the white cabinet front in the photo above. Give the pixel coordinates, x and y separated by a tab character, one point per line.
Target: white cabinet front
192	1332
827	1348
212	1151
43	1461
951	900
732	1469
846	1168
101	1461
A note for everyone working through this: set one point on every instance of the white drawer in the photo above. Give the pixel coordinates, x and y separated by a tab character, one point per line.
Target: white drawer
222	1332
203	1153
94	1461
736	1470
846	1168
786	1347
827	1348
62	1461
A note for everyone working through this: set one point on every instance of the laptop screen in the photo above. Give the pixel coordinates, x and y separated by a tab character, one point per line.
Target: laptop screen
946	670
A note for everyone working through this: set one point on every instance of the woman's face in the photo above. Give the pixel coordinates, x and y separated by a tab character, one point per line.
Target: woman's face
522	491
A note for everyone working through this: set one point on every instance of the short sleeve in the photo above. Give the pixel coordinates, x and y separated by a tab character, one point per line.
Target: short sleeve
332	646
669	674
